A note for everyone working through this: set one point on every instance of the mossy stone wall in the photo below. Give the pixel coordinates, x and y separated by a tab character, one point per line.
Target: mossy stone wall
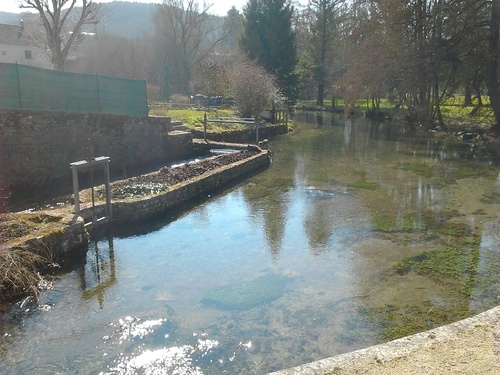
181	194
36	147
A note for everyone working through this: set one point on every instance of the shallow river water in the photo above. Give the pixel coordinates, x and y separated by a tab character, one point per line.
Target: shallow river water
358	233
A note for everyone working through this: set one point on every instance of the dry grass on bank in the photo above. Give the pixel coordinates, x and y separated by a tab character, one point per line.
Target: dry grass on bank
20	271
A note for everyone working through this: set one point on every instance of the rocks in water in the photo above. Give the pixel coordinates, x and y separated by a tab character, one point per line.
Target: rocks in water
247	294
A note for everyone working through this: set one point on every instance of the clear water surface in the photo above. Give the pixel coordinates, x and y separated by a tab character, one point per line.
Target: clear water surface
358	233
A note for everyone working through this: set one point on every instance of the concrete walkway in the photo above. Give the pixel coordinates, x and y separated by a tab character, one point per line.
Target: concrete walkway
468	347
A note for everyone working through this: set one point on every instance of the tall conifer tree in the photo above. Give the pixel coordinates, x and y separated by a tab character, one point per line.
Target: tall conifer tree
269	39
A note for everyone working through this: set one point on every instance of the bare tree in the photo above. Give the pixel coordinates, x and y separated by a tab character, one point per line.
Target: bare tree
420	52
185	32
210	79
323	26
253	88
112	55
493	80
63	21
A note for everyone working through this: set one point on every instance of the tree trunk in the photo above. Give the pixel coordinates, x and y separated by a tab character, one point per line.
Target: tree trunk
468	95
321	93
493	81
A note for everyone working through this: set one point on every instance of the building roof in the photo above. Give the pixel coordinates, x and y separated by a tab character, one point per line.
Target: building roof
12	34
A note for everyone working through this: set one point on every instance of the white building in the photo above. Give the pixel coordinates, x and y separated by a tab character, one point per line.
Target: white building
14	47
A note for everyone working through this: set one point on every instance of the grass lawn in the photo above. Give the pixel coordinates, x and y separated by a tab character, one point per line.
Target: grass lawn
193	118
452	107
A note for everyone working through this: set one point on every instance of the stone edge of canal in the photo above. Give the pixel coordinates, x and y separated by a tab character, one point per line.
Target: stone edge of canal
469	346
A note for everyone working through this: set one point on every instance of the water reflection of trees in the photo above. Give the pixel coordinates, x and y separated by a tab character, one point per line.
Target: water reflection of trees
319	223
275	216
267	204
99	271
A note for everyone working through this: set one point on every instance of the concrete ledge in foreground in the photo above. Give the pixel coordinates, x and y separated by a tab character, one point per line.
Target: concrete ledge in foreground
470	346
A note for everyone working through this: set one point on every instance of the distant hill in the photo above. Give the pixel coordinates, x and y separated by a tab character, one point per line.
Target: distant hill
130	20
123	18
126	19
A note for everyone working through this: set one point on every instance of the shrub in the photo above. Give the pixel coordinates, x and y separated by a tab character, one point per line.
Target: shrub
252	88
210	79
179	99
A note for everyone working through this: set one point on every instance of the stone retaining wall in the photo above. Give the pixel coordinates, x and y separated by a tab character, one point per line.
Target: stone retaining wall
36	147
178	195
68	232
58	239
245	135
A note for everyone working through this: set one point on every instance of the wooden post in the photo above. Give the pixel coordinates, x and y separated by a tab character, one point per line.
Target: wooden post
205	127
76	188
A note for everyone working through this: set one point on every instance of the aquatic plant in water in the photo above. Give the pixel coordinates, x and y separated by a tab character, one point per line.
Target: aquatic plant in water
453	264
448	173
389	224
363	185
389	322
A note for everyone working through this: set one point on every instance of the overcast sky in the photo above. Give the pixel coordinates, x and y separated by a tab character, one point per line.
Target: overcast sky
220	7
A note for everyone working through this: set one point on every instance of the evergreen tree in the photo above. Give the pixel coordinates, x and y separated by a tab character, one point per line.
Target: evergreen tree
268	38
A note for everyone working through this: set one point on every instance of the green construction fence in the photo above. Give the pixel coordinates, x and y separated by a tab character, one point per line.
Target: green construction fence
28	87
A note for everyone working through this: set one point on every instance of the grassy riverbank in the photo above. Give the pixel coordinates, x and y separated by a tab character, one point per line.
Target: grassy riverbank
193	118
453	109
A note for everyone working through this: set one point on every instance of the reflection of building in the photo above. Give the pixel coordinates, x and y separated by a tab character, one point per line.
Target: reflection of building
15	48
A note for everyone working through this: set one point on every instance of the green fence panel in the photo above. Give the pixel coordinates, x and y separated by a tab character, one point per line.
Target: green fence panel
117	94
34	88
9	86
57	91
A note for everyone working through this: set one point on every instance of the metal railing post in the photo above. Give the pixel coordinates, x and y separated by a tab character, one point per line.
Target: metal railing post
77	166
